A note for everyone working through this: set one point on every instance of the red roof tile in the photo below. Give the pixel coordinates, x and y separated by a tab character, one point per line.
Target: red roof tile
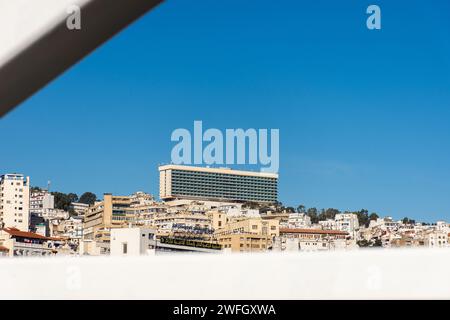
25	234
2	248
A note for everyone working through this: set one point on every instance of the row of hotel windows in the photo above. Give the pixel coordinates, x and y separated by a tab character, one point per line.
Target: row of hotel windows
235	190
226	181
193	185
212	187
216	174
225	196
228	193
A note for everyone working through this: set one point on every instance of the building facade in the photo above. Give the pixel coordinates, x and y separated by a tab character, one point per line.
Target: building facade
347	222
313	240
299	220
132	241
22	243
112	212
186	182
14	201
79	208
40	201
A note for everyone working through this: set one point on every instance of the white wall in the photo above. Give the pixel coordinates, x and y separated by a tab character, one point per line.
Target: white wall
361	274
136	239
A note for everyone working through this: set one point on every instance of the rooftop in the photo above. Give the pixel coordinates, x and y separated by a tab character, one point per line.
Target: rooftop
313	231
25	234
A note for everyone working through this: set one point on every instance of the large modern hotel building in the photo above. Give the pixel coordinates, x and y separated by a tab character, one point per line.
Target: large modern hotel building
216	184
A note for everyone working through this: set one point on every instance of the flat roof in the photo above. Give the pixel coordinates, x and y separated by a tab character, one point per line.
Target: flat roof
313	231
218	170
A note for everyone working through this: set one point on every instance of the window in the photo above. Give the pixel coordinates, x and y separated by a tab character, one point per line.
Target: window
124	247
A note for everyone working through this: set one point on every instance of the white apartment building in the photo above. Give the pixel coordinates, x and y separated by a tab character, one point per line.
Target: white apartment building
442	226
14	201
328	224
235	211
79	208
51	214
40	201
347	222
387	223
437	239
132	241
299	221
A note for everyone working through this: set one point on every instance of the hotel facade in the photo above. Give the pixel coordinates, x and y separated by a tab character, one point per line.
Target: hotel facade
217	184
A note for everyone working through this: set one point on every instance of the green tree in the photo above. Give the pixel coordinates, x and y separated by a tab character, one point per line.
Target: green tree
290	209
301	209
88	198
363	217
62	201
329	213
406	220
73	197
373	216
35	189
312	213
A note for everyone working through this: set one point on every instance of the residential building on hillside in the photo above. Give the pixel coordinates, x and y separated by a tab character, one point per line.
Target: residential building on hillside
347	222
132	241
14	201
244	242
437	239
299	220
112	212
41	200
79	208
313	240
329	224
24	243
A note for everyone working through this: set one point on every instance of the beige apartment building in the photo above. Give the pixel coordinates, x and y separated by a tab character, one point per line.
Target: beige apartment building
244	242
14	201
116	212
244	234
112	212
270	228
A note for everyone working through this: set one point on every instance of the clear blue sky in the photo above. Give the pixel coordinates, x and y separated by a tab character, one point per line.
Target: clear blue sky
363	115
